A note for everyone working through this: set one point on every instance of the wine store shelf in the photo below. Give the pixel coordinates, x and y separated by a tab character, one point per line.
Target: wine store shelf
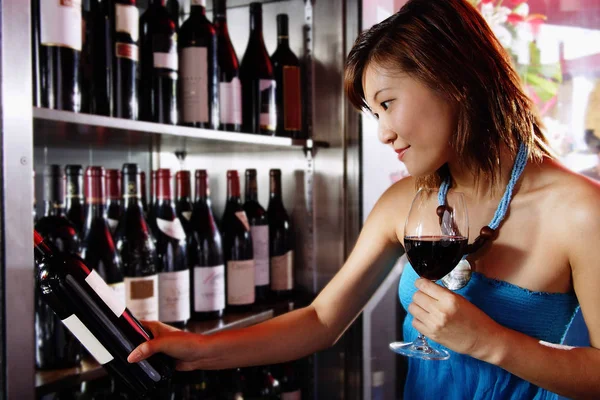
78	130
54	380
240	3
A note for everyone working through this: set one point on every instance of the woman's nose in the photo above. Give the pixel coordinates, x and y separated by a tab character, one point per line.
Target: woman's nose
385	134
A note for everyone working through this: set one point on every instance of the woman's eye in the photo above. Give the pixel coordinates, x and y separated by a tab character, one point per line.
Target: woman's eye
385	104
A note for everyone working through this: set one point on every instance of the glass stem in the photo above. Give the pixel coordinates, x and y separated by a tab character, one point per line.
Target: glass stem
421	342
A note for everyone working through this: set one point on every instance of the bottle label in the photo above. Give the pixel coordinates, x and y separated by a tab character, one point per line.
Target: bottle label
209	288
282	271
106	293
127	20
119	289
60	23
260	245
187	215
297	395
194	84
127	50
172	229
112	224
241	215
292	100
230	106
174	296
268	108
164	49
87	339
240	282
199	3
142	297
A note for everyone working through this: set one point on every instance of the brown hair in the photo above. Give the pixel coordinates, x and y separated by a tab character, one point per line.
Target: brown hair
448	45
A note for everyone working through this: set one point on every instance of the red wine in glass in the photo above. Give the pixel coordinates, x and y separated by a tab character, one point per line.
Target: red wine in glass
433	257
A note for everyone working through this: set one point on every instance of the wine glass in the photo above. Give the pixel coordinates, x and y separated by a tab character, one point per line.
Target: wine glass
436	233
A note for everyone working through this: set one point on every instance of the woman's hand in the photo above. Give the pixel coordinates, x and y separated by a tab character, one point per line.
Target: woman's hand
452	321
185	347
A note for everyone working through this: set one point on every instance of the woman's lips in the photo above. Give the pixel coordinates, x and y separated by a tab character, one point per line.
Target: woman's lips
402	152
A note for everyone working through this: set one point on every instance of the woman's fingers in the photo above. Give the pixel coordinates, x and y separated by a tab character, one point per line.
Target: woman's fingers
158	328
183	346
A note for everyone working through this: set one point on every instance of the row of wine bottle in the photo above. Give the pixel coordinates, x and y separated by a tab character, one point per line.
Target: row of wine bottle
123	65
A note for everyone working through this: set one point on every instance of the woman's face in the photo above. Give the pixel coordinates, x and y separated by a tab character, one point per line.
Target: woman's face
413	119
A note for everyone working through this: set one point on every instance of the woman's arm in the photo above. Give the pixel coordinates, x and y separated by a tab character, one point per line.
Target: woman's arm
304	331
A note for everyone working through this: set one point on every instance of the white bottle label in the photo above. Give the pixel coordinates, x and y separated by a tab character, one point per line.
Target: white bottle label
241	215
166	61
297	395
240	282
142	297
87	339
209	288
282	271
194	84
260	246
127	20
268	108
187	215
119	289
230	106
174	296
106	293
172	229
60	23
199	3
112	224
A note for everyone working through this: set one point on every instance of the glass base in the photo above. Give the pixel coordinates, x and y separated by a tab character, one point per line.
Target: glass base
419	349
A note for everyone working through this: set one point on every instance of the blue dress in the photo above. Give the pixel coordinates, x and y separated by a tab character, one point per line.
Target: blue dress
545	316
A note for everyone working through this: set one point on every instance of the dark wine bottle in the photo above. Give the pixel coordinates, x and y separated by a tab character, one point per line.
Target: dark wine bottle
174	9
89	308
280	241
230	87
114	204
259	226
135	245
159	65
98	250
258	80
60	52
289	89
99	45
153	203
289	381
34	211
74	201
125	60
205	256
183	199
56	347
174	274
237	249
198	70
143	192
35	55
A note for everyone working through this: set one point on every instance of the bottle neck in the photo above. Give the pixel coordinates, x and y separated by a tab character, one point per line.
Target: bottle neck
256	25
95	198
41	249
251	188
202	189
283	41
74	192
53	209
198	8
131	191
163	186
183	185
275	187
233	188
113	185
94	210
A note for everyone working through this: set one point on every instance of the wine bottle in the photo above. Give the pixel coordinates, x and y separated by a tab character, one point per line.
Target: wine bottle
114	205
91	311
34	210
205	256
99	45
125	60
135	245
174	9
259	227
198	70
60	53
153	203
56	347
98	250
183	200
261	384
230	87
143	191
289	89
258	80
159	65
35	55
237	249
289	380
280	240
74	204
174	274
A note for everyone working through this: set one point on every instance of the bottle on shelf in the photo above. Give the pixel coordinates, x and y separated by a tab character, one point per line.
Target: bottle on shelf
237	249
289	89
205	256
56	347
59	54
114	203
98	50
143	192
183	198
153	203
158	65
230	87
125	17
198	70
174	9
91	311
98	250
74	201
280	241
259	227
174	274
36	74
135	245
258	81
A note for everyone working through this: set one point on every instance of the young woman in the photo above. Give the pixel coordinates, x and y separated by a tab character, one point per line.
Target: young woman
450	104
